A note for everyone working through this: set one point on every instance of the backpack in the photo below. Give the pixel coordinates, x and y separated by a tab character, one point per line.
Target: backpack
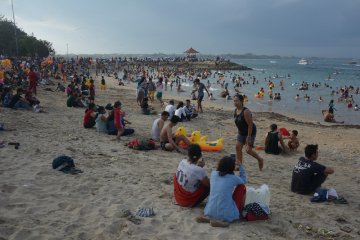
142	144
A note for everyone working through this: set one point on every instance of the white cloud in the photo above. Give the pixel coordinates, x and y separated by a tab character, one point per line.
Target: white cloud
49	24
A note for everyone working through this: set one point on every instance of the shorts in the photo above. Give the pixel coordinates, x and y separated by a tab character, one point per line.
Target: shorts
162	145
151	94
242	139
159	95
200	98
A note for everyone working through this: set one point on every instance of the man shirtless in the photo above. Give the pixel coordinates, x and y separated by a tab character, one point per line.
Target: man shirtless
168	140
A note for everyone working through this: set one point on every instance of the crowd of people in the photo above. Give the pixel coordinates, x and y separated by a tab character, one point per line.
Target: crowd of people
225	190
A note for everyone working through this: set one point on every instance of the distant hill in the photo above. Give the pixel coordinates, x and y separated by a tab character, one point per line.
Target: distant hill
28	45
163	55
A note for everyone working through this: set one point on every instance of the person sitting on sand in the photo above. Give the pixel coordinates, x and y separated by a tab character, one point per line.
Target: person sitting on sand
227	194
31	99
168	140
308	175
145	108
329	117
90	116
180	111
60	88
293	142
17	101
119	122
170	108
74	101
191	185
158	124
190	110
356	107
272	141
101	120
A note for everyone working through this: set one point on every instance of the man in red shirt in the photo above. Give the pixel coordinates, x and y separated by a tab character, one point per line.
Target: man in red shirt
32	80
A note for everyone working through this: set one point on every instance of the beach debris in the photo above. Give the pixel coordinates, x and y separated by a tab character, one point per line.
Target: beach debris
346	229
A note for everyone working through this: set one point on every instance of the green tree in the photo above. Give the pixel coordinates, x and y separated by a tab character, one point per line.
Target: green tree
28	45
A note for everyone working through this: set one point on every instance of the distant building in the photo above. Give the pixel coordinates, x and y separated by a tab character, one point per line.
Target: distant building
191	54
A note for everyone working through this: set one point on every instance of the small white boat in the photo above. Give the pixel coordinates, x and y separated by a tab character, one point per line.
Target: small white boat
303	61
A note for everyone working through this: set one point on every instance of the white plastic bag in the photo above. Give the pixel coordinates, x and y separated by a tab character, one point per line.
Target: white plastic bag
260	195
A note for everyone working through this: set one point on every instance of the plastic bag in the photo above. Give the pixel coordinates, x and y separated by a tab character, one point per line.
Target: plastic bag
260	195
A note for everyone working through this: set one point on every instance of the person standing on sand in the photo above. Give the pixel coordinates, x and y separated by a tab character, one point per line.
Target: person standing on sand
159	90
200	88
246	131
32	80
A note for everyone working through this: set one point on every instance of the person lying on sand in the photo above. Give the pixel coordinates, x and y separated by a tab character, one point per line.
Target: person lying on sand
168	140
191	185
308	175
227	194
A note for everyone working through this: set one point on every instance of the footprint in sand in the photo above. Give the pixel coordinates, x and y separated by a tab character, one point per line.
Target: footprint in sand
8	188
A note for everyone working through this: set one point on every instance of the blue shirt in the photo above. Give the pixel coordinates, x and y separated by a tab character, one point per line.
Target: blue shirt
221	205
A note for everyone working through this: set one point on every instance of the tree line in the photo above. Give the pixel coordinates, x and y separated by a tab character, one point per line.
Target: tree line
28	45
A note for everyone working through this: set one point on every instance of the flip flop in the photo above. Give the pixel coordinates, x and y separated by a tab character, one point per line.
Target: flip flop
16	144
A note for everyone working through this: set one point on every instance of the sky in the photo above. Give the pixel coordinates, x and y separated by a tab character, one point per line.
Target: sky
303	28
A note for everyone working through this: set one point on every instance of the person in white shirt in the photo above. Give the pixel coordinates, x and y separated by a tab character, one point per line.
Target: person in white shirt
101	120
158	124
191	185
170	108
180	111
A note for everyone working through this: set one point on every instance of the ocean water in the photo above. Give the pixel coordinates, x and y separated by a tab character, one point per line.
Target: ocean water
334	72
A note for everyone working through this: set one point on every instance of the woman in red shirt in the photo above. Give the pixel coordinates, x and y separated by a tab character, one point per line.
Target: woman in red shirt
90	116
117	119
32	80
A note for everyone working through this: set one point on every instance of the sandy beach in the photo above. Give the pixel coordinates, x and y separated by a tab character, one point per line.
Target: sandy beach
37	202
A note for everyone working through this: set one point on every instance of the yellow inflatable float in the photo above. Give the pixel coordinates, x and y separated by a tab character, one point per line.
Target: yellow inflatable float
197	138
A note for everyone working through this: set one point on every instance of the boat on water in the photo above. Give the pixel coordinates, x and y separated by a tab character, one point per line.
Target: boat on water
353	62
303	61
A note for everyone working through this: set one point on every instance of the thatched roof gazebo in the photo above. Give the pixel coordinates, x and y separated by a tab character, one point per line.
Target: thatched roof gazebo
191	53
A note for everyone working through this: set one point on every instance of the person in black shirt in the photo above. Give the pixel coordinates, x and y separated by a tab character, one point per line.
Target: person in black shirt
246	131
17	101
308	175
272	141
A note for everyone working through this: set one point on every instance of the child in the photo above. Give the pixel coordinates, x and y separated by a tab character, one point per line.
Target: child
103	83
227	194
117	119
211	97
293	142
191	185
